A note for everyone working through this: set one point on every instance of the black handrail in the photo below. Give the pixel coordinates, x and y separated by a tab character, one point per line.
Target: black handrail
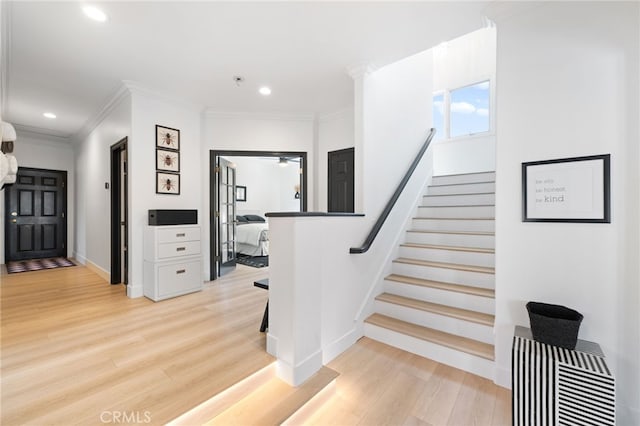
387	209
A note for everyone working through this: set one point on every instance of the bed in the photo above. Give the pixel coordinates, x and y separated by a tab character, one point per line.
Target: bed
252	235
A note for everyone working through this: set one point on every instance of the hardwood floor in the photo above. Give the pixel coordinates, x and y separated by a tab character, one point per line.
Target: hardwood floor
76	350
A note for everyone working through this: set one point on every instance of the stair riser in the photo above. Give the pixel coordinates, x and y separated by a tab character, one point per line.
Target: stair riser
469	178
470	188
456	240
486	305
477	279
449	256
473	364
455	326
453	225
485	212
459	200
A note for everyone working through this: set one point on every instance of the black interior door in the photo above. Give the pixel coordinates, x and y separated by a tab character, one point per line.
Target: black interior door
36	209
226	216
341	181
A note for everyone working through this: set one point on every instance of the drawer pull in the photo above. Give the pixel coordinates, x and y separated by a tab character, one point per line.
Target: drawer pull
181	248
182	234
180	271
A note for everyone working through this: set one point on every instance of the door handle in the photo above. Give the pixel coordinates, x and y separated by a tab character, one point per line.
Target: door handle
14	220
14	213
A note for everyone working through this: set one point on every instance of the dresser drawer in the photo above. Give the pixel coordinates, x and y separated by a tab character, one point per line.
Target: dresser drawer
177	234
178	278
171	250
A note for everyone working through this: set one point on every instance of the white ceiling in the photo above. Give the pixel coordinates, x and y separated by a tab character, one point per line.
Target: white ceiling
55	59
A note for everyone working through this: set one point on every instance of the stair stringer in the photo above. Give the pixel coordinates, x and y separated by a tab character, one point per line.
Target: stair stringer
377	287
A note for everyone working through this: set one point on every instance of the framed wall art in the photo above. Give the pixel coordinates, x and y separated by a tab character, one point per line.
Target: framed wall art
167	138
567	190
167	160
167	183
241	193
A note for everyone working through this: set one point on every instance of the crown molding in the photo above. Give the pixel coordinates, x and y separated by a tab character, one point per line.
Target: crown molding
112	101
136	88
337	115
211	113
45	135
5	59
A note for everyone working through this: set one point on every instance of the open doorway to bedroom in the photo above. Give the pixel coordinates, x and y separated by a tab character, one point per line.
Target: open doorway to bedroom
244	185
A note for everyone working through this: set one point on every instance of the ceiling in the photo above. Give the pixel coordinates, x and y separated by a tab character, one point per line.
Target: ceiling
56	59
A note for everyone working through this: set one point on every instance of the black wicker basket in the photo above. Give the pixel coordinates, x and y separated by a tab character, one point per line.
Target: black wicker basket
554	324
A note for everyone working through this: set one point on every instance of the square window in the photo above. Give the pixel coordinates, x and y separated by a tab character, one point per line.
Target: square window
469	110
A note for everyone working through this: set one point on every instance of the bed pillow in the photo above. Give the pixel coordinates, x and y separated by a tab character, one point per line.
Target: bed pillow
254	218
241	219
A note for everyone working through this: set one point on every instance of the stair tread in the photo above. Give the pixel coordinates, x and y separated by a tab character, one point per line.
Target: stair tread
450	311
470	346
277	401
465	174
484	233
470	268
456	206
458	288
462	183
456	195
451	248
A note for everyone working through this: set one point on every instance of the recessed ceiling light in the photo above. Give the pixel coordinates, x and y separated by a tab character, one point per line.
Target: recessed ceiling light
49	115
94	13
265	91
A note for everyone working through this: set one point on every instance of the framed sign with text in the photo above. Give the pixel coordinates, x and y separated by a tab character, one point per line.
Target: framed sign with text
567	190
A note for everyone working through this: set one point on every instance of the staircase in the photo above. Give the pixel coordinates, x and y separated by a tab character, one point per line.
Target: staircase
438	302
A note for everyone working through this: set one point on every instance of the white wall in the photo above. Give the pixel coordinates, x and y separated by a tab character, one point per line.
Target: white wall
149	109
253	132
270	187
335	132
465	60
92	170
45	152
568	86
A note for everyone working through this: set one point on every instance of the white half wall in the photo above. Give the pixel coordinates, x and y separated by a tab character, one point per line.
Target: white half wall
335	132
569	80
45	152
252	132
92	170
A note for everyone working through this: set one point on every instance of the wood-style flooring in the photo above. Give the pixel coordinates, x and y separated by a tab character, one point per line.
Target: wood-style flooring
76	350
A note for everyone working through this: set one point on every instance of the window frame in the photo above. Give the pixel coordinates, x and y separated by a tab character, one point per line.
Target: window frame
446	92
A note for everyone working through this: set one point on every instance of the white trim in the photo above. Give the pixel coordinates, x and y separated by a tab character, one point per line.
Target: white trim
335	348
80	258
340	114
110	104
212	113
136	88
44	136
101	272
133	292
299	373
5	59
272	345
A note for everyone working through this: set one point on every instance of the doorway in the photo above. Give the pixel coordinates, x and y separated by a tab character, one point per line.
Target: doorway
341	181
119	214
222	223
36	215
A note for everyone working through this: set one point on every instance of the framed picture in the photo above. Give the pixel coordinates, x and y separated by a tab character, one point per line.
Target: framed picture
167	160
567	190
167	138
167	183
241	193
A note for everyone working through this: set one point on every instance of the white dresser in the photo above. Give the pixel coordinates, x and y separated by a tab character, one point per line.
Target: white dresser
172	261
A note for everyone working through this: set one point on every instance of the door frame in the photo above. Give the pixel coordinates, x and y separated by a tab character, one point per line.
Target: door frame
7	209
116	207
213	192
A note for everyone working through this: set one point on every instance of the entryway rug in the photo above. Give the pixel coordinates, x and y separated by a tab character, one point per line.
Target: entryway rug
255	261
38	264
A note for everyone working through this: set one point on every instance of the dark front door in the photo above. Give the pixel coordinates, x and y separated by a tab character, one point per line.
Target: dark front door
341	186
36	209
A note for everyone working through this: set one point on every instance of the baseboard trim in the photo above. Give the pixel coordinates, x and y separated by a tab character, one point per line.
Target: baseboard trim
105	275
272	345
332	350
503	377
134	292
298	374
